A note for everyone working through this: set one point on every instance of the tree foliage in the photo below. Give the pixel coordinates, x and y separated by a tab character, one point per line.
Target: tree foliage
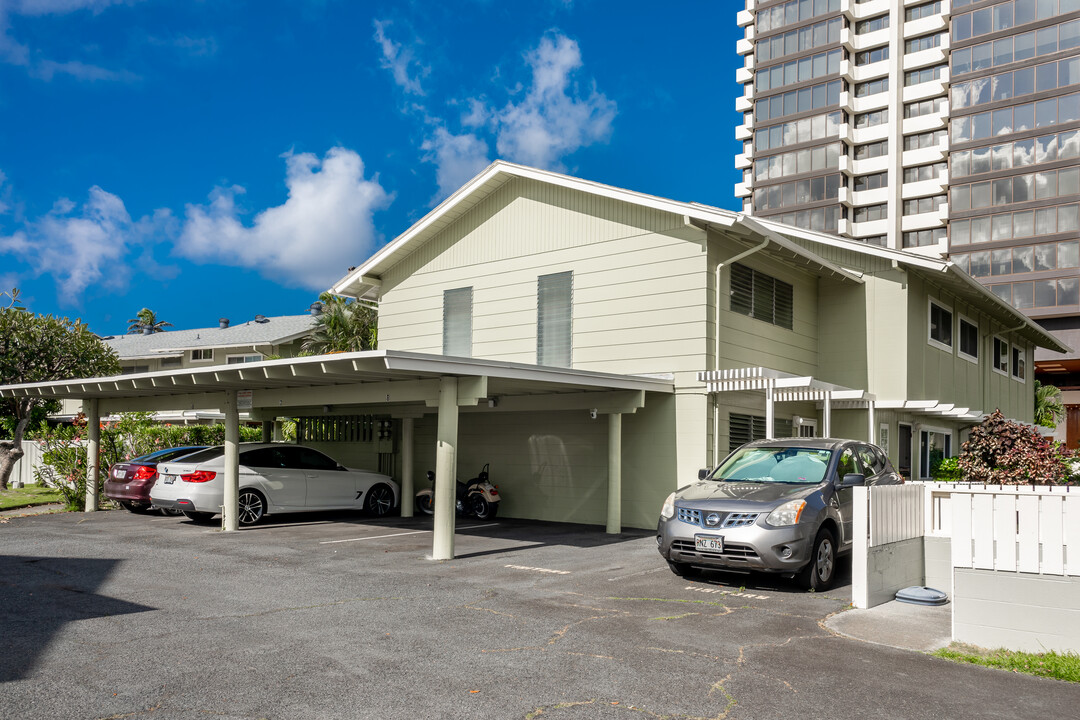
39	348
1003	452
344	326
1049	410
146	319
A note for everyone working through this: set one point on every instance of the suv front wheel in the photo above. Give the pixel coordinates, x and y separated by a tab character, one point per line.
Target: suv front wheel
821	570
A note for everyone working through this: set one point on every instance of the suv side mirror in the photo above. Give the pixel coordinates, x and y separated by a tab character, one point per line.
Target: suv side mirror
853	479
703	473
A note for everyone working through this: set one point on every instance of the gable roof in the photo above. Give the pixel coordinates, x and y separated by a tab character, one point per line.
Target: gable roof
173	343
364	281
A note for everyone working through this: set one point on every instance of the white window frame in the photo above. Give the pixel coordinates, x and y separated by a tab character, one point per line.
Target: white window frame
557	325
919	441
952	315
260	357
959	351
457	326
201	351
806	423
993	355
1012	366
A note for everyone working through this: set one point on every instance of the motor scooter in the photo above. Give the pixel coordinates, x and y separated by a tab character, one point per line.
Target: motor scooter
476	498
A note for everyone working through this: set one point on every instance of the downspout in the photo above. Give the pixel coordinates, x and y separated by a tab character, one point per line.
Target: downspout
716	341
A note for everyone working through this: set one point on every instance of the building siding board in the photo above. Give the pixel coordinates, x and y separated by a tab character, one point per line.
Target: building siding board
553	465
746	341
623	271
937	374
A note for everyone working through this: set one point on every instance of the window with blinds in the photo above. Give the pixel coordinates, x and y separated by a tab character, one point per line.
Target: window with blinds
554	315
457	322
760	296
746	428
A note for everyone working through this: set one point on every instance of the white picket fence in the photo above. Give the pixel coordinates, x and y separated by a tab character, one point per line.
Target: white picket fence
1016	529
24	469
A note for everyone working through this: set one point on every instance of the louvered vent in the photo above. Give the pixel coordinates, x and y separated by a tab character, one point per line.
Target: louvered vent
761	296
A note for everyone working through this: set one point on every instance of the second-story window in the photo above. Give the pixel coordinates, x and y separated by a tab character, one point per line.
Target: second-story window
457	322
941	325
554	319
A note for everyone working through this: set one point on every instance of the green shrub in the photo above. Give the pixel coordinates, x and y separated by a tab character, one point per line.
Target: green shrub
947	470
1004	452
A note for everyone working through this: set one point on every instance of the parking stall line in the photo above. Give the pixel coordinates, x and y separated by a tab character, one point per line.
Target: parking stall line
373	537
411	532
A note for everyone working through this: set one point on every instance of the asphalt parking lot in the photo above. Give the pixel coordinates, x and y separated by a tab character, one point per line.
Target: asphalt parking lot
113	615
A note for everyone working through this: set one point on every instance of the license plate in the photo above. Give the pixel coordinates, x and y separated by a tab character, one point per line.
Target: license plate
712	543
120	474
168	479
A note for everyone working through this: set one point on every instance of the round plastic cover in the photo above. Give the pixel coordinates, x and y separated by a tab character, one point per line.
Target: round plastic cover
919	595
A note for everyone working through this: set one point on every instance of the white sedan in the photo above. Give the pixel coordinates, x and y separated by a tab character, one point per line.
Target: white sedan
274	478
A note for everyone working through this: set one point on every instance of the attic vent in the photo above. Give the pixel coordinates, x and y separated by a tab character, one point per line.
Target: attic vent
223	323
261	319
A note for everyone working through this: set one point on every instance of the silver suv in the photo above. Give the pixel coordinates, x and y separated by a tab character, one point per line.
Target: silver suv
780	506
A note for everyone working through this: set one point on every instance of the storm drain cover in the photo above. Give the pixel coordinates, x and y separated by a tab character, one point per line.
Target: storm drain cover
919	595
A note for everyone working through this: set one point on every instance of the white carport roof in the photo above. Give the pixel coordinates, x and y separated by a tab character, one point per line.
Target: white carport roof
376	377
402	384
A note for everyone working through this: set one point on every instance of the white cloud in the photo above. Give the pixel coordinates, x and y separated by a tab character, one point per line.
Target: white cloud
323	227
399	60
544	121
14	52
80	247
47	69
60	7
555	118
457	158
478	114
5	194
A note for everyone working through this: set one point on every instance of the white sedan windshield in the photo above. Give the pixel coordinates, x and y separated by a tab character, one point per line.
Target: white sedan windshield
794	465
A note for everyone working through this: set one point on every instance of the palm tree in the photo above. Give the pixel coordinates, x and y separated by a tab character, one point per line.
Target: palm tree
343	326
1049	410
146	318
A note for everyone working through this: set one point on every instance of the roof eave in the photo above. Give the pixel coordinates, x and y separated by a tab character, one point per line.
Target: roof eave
1043	338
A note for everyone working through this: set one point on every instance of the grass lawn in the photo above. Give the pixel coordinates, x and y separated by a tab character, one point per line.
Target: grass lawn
1060	666
28	496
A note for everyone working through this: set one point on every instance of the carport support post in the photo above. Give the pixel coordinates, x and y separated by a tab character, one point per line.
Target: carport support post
407	490
770	413
614	493
442	547
826	415
230	516
93	452
267	431
871	438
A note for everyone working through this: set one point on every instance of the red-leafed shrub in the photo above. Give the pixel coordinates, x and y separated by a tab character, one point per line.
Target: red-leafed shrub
1002	452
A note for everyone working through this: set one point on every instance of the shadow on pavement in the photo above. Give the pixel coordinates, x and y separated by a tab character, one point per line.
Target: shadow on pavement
40	595
772	581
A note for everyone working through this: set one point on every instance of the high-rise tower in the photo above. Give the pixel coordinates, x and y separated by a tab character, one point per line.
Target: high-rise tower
939	127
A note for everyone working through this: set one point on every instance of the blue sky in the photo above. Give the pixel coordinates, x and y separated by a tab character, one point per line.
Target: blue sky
224	159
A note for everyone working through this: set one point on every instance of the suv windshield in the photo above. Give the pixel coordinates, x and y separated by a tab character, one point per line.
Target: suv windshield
793	465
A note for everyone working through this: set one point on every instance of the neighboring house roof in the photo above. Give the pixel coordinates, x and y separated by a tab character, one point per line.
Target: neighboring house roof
274	331
364	280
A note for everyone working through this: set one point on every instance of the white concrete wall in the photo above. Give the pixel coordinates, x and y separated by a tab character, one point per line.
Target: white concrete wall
1018	611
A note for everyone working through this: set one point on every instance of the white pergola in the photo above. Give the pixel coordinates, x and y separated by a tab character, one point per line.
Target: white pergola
405	385
780	386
